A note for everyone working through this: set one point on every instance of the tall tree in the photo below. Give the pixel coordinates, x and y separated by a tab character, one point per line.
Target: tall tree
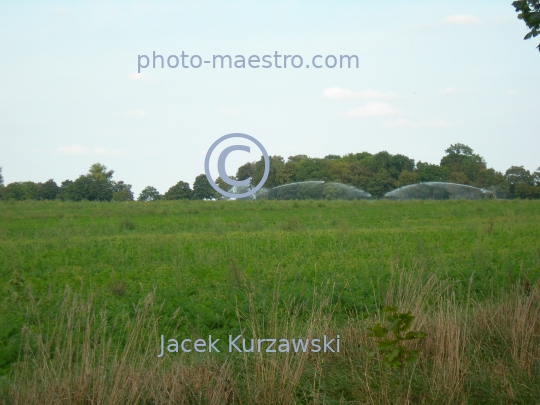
407	177
23	190
202	190
516	175
63	191
96	185
149	193
47	191
462	159
244	172
99	172
399	163
276	166
529	11
1	178
121	191
180	191
430	172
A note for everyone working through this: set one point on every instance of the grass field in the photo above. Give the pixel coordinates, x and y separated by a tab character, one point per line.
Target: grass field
468	270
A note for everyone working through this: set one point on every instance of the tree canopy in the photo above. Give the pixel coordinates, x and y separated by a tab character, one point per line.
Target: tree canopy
202	190
180	191
529	11
376	174
149	193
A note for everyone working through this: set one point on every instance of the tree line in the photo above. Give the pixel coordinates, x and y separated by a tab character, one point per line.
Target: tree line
375	173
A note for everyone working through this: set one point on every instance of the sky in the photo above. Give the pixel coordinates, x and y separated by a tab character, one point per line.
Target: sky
430	74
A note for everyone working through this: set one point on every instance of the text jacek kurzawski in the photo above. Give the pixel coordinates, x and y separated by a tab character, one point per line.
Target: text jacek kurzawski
237	344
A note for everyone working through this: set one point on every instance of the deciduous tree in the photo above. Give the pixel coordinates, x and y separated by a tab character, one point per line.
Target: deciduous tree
149	193
48	190
23	190
516	175
462	159
180	191
202	190
121	191
529	11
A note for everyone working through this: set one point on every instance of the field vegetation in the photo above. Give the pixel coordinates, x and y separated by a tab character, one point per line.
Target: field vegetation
89	287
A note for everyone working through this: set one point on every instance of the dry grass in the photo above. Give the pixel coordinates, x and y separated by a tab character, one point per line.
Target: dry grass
478	351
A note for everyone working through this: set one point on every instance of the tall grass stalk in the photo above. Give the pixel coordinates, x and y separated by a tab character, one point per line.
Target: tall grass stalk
479	351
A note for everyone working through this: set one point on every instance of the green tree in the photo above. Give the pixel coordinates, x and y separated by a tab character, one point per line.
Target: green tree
121	191
356	157
222	185
493	181
516	175
244	172
529	11
23	190
399	163
380	184
48	190
202	190
99	172
358	175
96	185
289	173
149	193
180	191
62	192
1	178
277	164
79	189
458	178
430	172
524	190
462	159
407	177
314	169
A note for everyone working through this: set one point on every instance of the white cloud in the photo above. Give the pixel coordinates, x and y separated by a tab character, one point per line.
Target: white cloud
372	109
136	114
81	150
230	111
462	19
137	76
403	123
60	11
337	93
74	150
449	90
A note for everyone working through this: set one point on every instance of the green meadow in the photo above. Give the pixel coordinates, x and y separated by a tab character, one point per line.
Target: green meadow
201	258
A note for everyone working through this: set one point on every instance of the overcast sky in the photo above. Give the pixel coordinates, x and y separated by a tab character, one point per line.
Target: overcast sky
430	74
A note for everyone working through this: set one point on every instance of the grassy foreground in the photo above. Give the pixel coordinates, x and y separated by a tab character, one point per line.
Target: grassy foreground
89	287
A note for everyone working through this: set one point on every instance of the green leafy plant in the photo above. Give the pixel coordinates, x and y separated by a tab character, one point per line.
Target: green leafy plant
16	285
391	338
529	11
